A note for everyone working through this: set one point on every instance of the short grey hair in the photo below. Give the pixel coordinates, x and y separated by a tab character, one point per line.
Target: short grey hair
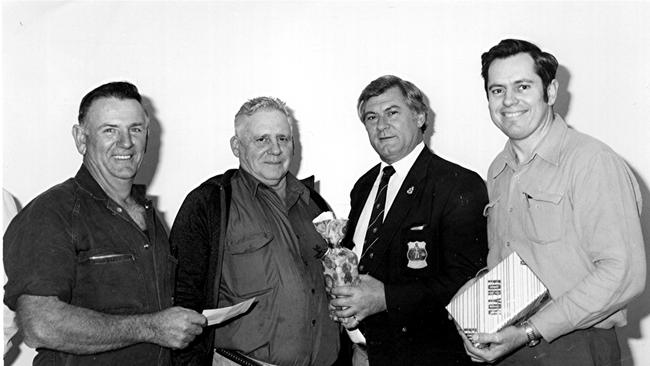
415	99
255	105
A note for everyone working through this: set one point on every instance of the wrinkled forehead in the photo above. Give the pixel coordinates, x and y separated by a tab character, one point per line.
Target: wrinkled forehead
264	122
390	97
111	109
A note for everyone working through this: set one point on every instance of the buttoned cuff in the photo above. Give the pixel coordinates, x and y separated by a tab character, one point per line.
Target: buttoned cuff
552	322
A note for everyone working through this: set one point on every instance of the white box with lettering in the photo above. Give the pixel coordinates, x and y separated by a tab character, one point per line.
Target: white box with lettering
507	293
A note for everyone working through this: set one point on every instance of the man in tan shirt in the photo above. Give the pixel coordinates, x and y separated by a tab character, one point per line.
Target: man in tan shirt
570	207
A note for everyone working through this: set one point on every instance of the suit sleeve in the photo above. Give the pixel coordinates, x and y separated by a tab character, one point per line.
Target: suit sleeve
190	240
461	242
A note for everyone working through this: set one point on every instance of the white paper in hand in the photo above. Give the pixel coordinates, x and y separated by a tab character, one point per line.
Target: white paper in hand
217	316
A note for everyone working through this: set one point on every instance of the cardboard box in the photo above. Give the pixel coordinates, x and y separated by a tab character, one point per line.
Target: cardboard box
509	292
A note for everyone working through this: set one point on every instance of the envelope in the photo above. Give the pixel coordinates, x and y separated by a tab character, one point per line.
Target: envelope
217	316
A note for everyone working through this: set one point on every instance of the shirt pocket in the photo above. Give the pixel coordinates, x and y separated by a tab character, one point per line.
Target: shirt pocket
109	281
543	217
250	266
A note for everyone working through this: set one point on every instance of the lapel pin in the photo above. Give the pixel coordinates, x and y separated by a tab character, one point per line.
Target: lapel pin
410	190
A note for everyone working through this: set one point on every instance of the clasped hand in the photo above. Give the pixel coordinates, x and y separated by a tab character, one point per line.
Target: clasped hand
357	301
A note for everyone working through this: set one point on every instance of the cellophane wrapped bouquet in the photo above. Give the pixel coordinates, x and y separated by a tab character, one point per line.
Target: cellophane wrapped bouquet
339	263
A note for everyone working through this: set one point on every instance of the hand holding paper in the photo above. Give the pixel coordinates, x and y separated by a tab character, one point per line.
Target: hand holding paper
217	316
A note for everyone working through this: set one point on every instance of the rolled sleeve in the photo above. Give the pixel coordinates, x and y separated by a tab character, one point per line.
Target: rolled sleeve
39	255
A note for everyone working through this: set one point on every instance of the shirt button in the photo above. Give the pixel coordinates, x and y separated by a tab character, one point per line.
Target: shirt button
507	243
313	322
313	291
374	230
361	267
404	330
509	209
372	255
119	209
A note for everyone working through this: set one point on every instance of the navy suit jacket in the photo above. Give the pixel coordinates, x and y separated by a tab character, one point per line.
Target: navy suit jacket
439	208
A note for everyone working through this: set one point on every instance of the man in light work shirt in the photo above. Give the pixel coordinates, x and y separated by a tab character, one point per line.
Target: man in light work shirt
570	207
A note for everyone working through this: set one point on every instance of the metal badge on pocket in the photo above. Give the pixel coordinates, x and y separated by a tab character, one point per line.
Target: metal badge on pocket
417	254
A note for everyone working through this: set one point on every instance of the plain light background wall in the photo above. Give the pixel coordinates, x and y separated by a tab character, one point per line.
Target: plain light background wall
197	62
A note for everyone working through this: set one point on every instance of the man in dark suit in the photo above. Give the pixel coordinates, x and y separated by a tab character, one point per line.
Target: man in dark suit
416	223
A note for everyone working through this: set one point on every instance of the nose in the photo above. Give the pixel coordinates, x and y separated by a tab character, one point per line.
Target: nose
125	140
275	148
510	99
382	123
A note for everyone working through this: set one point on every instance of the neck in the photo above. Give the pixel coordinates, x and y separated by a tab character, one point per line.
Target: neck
525	148
119	190
281	189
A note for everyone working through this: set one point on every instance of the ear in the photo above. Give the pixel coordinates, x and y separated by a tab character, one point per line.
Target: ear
79	136
234	145
551	91
421	119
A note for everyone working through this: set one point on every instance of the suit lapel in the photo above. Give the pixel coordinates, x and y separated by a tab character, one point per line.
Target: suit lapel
409	194
358	198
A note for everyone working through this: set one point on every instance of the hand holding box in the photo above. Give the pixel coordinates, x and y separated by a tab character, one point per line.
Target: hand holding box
509	292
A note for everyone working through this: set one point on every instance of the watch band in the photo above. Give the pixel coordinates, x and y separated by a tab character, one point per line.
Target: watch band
531	333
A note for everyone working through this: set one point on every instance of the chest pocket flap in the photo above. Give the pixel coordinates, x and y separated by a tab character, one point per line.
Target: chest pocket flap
544	218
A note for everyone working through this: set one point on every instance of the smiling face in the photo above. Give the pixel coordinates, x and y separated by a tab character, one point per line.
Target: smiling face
516	99
113	139
393	128
264	146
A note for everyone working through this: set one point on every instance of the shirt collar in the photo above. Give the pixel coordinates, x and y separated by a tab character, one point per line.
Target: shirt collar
403	165
295	189
90	185
548	149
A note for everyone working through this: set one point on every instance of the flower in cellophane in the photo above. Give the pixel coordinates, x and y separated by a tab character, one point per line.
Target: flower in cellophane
339	263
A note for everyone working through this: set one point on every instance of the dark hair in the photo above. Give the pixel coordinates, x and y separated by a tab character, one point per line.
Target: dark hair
545	63
116	89
414	97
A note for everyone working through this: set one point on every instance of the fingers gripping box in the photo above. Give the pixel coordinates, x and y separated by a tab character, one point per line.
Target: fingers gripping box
507	293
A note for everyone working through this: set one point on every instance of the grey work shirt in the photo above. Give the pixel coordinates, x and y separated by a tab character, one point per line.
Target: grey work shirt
270	254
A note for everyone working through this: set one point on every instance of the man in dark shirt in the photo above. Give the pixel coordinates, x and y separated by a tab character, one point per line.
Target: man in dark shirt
88	262
248	233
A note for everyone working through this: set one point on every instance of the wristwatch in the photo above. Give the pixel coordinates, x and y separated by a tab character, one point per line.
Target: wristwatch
531	333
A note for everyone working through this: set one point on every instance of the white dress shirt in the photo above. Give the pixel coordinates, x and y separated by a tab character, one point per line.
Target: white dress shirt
402	167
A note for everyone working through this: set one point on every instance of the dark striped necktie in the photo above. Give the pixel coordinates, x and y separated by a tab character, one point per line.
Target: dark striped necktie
377	215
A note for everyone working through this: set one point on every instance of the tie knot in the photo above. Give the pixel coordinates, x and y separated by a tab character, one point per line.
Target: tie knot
388	171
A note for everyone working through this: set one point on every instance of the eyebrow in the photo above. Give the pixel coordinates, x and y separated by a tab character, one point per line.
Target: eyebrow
385	109
392	106
516	82
110	124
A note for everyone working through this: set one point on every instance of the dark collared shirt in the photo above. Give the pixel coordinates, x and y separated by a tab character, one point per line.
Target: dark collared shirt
270	254
75	243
